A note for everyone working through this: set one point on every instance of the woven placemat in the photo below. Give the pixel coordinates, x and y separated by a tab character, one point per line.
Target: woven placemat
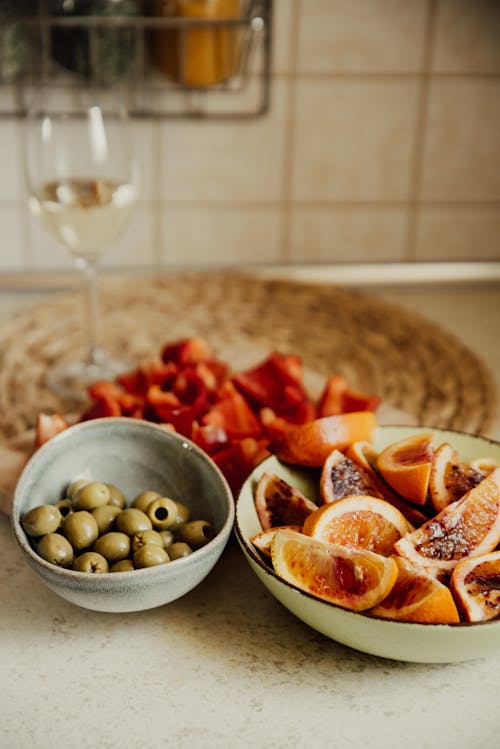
414	365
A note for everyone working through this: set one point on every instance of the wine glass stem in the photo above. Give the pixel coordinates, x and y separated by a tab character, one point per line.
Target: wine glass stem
88	271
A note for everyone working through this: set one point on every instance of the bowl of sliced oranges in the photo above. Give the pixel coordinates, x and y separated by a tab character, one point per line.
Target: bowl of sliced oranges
390	546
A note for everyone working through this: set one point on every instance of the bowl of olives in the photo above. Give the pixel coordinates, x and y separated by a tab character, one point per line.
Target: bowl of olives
118	514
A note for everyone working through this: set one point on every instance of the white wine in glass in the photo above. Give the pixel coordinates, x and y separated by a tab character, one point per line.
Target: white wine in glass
81	177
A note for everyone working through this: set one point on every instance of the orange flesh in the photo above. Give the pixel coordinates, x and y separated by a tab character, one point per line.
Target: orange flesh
348	478
460	479
363	529
455	536
334	577
411	455
484	585
407	592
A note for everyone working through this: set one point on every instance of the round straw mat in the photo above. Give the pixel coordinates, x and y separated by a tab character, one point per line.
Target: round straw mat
413	365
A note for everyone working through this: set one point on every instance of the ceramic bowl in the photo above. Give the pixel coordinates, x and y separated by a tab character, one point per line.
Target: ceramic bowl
135	456
424	643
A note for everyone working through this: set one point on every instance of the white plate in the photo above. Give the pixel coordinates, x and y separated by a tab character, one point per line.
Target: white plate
423	643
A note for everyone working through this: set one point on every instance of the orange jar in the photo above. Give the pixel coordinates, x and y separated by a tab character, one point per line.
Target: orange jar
197	55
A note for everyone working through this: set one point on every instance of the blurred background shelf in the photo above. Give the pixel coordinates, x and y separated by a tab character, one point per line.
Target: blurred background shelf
168	58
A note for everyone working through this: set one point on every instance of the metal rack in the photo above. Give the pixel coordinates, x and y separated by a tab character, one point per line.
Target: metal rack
165	66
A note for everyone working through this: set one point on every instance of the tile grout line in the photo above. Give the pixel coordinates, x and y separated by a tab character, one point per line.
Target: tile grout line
416	166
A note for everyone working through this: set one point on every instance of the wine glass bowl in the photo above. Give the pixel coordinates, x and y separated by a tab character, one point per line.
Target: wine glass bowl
81	179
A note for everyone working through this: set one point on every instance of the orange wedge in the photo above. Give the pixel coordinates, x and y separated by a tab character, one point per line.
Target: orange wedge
263	540
417	597
406	466
356	579
311	443
450	479
342	477
484	465
365	455
278	503
475	583
359	521
468	527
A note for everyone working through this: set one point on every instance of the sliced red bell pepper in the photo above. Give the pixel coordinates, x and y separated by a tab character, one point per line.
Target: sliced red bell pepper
232	413
276	382
47	426
337	397
187	351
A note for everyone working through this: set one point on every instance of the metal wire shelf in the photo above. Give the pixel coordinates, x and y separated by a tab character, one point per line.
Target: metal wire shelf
165	66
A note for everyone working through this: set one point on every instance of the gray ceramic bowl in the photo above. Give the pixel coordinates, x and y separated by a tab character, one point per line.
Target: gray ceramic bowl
134	455
425	643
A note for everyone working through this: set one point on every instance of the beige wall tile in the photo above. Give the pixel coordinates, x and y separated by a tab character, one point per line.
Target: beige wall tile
12	185
283	17
220	236
462	143
467	36
144	135
458	234
361	36
12	245
353	139
330	235
225	160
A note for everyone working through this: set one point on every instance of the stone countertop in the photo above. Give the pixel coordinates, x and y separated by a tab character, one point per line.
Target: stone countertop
227	665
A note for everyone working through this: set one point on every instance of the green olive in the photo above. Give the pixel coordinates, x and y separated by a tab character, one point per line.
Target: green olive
124	565
65	506
179	549
196	533
167	537
113	546
149	556
105	517
74	486
146	537
80	528
143	500
116	497
132	521
91	561
163	513
41	520
182	515
55	549
91	495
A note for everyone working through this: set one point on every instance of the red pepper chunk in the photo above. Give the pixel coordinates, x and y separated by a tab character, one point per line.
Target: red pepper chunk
232	413
338	398
275	383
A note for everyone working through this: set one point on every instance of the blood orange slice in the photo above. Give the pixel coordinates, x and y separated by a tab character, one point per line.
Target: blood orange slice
406	466
417	597
365	455
311	443
450	479
278	503
263	540
468	527
342	477
475	583
359	521
356	579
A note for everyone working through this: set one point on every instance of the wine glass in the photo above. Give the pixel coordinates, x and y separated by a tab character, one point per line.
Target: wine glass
81	178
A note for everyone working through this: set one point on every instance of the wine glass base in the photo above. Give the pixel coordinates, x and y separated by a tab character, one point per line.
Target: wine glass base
72	379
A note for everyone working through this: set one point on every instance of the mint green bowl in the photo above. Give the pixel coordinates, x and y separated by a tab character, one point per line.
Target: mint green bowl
402	641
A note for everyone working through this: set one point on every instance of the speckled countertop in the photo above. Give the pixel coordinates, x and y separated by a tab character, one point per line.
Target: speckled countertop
228	666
